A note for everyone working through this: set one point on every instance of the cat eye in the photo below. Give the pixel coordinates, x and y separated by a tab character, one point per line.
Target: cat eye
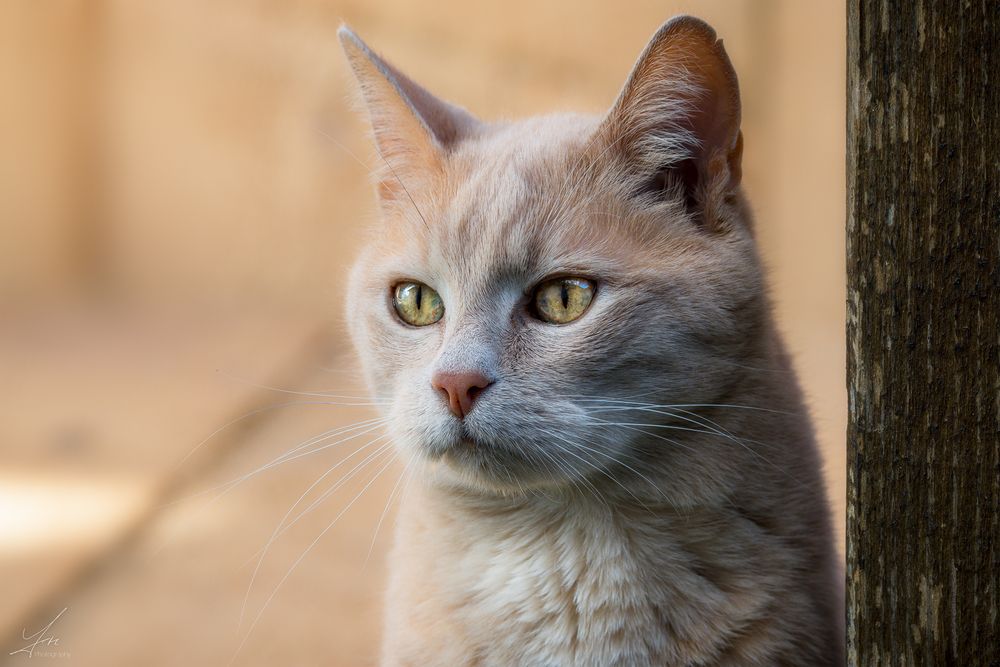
417	304
562	300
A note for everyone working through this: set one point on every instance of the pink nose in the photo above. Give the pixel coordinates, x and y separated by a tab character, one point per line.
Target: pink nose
461	388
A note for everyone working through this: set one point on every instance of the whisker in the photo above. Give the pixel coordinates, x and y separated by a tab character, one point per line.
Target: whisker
612	477
618	461
714	429
597	399
709	430
572	476
391	170
562	470
593	465
301	557
359	400
280	529
406	473
369	426
243	417
340	482
292	455
639	426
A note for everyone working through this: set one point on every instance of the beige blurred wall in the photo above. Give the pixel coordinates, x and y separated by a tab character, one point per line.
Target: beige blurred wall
205	172
46	68
185	151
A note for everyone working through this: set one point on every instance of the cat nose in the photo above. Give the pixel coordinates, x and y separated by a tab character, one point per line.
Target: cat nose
461	388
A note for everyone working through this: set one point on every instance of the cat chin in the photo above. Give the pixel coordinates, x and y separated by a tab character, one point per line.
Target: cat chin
468	465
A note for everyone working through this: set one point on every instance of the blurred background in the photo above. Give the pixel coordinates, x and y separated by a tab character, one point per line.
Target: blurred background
182	186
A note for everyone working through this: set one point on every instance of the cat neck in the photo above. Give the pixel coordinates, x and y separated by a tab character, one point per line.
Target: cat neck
621	505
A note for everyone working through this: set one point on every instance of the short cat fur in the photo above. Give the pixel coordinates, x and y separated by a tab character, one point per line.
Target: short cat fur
638	487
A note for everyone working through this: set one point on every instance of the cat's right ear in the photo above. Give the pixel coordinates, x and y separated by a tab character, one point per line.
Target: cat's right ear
414	130
677	120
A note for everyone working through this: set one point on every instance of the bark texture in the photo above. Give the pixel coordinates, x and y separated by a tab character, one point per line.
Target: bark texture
923	324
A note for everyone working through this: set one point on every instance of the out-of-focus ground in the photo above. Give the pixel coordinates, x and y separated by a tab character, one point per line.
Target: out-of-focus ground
179	200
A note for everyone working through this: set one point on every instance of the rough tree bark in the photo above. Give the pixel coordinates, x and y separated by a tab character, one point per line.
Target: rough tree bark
923	332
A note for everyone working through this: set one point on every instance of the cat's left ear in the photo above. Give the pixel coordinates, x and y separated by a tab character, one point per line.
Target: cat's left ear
679	111
414	130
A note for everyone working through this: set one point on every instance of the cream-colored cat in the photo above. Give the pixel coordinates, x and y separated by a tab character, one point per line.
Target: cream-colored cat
568	318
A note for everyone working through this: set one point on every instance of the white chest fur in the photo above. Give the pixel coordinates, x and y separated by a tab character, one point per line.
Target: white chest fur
546	583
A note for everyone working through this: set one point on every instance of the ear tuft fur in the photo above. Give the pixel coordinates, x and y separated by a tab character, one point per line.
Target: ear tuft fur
679	110
413	129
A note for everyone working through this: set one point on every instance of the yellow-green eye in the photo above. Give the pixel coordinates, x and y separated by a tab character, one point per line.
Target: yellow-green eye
563	300
417	304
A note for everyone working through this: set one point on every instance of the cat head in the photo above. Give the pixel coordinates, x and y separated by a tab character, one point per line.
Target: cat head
536	290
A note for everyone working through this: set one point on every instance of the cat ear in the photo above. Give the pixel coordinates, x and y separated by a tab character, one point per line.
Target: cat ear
413	129
678	117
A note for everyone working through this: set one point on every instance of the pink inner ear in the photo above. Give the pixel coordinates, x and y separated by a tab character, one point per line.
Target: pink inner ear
682	95
447	122
716	117
409	122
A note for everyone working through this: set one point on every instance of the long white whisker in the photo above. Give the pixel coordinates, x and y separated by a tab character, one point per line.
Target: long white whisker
281	528
741	442
618	461
340	482
562	470
360	400
388	503
673	405
283	458
713	429
607	474
304	554
242	417
368	426
593	465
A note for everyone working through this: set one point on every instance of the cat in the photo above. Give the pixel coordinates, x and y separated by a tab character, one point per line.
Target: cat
611	460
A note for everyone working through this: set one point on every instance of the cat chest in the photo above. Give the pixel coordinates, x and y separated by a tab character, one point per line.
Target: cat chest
558	597
553	588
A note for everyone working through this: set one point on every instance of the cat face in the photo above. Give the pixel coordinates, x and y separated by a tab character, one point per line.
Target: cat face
531	282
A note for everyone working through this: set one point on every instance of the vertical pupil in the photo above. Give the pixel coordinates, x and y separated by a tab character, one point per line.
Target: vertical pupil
420	295
564	295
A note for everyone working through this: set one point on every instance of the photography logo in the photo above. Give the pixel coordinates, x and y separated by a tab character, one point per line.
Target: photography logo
42	644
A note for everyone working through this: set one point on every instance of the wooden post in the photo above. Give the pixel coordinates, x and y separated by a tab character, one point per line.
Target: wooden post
923	332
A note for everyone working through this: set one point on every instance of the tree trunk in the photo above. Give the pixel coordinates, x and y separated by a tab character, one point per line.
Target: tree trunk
923	332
